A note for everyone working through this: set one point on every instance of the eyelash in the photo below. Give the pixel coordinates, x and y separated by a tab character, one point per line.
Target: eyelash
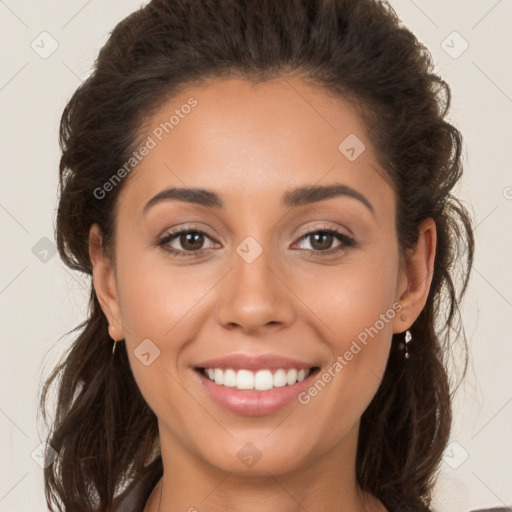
346	240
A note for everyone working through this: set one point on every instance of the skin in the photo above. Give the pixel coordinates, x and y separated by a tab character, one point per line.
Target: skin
250	144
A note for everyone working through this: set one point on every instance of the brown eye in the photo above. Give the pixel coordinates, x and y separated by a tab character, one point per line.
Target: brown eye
321	240
186	242
191	241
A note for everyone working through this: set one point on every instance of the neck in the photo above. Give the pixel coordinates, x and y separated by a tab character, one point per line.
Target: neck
326	483
365	503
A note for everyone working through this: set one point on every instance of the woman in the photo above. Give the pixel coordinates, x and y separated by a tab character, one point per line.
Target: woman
261	192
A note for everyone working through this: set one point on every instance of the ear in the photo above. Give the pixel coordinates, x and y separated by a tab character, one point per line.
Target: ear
104	282
416	277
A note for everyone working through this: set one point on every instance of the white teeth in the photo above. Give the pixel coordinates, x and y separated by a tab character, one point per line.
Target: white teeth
279	379
218	376
244	379
291	377
261	380
230	378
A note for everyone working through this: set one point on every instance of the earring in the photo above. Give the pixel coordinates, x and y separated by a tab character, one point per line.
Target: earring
110	327
408	338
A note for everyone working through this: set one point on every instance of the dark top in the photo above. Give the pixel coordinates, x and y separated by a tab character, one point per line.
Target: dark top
135	497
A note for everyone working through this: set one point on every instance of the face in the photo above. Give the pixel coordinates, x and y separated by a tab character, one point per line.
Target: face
259	273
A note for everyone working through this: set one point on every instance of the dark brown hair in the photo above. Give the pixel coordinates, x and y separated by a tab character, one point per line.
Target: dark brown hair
103	430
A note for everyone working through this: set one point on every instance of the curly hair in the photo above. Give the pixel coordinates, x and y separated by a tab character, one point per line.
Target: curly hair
356	49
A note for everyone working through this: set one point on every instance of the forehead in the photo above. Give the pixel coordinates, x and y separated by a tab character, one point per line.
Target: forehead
234	136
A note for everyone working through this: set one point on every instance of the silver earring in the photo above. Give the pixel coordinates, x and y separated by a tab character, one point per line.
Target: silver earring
115	341
408	338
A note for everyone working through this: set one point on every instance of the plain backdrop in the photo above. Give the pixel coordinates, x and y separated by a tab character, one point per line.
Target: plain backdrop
48	48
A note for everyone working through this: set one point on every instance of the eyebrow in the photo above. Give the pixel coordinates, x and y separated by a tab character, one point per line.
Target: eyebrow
297	197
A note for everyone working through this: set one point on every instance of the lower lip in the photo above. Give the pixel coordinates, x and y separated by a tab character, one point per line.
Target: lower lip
254	403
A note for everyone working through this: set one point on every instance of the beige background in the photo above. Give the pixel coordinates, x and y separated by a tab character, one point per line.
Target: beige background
40	300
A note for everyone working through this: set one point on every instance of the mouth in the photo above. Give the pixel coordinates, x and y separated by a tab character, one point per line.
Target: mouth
261	380
254	392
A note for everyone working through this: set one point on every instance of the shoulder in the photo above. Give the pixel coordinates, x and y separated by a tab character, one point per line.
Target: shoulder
133	499
135	496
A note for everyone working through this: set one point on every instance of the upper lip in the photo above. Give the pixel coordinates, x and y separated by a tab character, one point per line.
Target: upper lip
247	362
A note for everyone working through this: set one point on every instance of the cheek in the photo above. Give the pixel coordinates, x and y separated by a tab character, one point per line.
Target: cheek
160	303
354	296
354	306
155	298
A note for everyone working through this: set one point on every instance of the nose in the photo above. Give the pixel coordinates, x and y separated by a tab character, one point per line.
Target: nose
254	296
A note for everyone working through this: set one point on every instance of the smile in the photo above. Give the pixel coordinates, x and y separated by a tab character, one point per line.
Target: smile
254	393
262	380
